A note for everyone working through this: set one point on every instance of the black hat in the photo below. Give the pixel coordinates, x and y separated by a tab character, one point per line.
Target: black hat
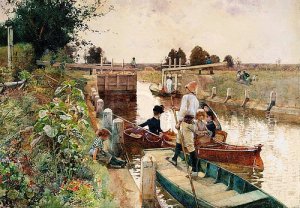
158	109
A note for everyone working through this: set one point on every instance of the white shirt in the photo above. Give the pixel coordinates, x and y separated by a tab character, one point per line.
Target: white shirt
189	106
169	85
273	96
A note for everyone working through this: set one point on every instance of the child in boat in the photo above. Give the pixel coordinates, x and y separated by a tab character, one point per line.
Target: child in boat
201	123
216	122
210	125
154	122
99	154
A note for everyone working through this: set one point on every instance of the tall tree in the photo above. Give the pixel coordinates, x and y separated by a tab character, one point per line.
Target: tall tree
51	24
198	56
94	55
214	59
176	55
181	54
229	61
172	54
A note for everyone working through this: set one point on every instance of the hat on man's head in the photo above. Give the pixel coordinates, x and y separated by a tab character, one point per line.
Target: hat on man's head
159	109
192	86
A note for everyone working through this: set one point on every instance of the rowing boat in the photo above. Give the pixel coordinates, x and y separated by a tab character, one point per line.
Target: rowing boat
232	154
214	186
154	88
147	139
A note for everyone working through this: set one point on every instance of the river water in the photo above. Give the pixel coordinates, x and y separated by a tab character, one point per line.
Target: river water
281	141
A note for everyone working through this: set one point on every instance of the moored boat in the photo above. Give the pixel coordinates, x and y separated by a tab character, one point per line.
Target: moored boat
214	186
154	88
147	139
232	154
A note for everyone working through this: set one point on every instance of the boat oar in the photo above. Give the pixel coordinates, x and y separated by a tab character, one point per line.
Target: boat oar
135	125
185	157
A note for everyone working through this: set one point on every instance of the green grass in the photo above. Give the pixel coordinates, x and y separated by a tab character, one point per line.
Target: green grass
23	56
286	84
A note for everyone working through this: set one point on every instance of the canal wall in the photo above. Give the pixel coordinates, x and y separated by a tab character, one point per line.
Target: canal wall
121	184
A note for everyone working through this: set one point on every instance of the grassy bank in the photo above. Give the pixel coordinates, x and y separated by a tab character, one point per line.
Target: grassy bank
44	145
285	83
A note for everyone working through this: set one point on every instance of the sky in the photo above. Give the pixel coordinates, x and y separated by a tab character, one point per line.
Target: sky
256	31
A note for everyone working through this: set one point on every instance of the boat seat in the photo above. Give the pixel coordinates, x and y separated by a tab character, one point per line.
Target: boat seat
241	199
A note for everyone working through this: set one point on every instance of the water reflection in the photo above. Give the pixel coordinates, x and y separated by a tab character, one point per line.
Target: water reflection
281	141
280	153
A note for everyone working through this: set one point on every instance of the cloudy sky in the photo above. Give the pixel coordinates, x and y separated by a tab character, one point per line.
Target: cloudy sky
254	30
257	31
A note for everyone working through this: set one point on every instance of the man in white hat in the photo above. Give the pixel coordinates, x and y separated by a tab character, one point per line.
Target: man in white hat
188	109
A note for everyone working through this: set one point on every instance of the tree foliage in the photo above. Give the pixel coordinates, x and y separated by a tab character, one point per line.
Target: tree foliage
215	59
229	61
198	56
173	54
94	55
51	24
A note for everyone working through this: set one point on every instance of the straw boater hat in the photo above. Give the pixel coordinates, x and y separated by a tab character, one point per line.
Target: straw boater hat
192	86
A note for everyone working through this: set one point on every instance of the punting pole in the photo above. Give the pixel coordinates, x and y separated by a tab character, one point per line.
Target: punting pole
185	157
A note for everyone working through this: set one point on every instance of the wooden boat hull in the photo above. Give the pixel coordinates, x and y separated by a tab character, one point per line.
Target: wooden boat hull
217	151
157	92
147	140
214	187
239	155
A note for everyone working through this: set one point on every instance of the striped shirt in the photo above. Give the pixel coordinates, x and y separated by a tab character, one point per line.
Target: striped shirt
98	143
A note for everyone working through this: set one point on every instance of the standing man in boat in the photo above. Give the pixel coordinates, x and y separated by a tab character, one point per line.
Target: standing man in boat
187	112
154	122
169	84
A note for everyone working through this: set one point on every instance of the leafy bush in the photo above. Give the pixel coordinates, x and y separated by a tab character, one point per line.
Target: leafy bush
15	187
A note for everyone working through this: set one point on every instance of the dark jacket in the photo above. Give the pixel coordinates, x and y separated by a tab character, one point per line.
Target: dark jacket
153	124
211	127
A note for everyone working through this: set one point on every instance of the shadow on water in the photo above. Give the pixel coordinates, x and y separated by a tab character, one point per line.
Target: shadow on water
280	140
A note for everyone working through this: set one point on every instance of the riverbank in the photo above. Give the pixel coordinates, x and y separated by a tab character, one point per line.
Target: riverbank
285	83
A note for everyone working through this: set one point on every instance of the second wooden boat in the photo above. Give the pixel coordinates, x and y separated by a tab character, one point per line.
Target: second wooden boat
214	186
154	88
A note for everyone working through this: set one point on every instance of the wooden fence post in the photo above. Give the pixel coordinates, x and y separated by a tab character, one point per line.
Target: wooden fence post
107	119
213	92
179	62
170	63
117	138
99	107
93	97
246	98
112	62
174	62
101	61
228	96
148	178
95	100
92	91
94	71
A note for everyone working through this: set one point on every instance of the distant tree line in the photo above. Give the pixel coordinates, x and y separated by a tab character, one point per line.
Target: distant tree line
198	56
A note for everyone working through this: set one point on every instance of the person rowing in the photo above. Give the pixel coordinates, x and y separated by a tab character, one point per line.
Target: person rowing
154	122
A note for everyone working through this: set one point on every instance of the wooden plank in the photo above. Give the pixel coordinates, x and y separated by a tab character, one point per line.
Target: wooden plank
242	199
197	67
